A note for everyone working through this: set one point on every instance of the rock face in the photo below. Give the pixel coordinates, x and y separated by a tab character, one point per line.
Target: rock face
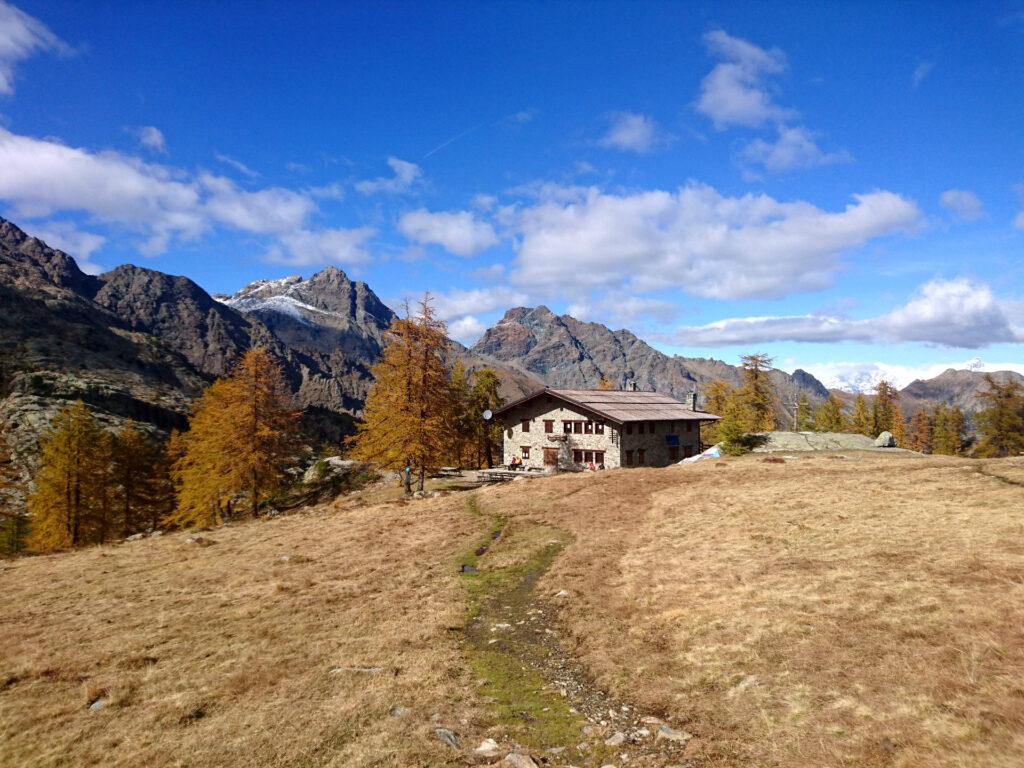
568	353
959	389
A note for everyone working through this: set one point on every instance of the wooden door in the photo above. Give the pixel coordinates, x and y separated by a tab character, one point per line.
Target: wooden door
673	453
550	457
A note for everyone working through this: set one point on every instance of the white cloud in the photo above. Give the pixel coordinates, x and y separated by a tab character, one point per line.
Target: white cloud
459	303
794	149
964	205
736	91
466	330
67	237
458	232
613	309
21	36
265	211
152	137
406	175
921	71
631	132
695	240
42	176
327	246
951	313
238	165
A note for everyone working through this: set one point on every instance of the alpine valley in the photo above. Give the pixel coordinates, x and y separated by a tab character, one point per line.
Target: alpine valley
135	343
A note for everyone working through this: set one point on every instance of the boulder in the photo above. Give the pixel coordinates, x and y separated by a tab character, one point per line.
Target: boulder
448	737
487	748
885	440
519	760
326	469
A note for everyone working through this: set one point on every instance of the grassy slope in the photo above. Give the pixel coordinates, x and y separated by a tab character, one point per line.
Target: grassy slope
854	612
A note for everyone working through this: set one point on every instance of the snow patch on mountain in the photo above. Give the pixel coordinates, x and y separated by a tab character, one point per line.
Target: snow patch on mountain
864	377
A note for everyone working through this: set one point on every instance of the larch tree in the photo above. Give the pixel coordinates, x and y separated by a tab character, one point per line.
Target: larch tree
243	437
461	425
487	432
716	398
1000	423
139	480
862	421
829	416
899	426
757	394
947	430
882	410
919	437
406	417
804	416
65	503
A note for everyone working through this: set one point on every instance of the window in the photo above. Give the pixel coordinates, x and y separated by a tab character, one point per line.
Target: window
599	428
629	458
549	426
599	457
651	426
577	456
640	456
577	427
640	428
588	427
526	451
629	429
588	456
567	427
672	427
526	425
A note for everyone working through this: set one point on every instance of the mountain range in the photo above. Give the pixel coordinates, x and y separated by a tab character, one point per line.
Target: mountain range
135	343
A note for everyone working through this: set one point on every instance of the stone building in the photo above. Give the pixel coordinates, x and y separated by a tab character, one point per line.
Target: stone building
567	428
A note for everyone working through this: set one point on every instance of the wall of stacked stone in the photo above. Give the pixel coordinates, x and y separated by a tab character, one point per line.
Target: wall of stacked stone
614	442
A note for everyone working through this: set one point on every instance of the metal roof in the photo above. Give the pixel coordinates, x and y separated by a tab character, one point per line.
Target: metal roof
621	406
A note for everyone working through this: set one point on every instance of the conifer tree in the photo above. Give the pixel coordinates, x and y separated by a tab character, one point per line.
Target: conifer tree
882	411
1001	422
65	502
829	416
139	480
863	422
899	426
804	417
243	436
461	427
947	430
485	397
733	426
757	394
716	398
407	410
919	437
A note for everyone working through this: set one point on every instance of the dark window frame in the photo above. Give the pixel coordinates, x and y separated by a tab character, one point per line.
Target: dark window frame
526	425
525	451
549	426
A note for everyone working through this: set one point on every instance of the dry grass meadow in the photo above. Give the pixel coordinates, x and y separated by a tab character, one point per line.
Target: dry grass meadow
859	611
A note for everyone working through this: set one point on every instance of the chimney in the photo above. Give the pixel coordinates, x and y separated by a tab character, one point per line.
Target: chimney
693	400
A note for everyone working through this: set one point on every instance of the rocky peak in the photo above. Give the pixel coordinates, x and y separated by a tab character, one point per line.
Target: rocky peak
28	262
328	298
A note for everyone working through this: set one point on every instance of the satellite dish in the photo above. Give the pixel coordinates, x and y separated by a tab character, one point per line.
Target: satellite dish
487	415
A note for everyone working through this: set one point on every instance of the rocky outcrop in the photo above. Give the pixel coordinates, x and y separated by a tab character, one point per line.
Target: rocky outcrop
569	353
958	389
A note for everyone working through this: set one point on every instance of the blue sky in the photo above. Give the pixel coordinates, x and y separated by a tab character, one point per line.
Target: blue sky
839	185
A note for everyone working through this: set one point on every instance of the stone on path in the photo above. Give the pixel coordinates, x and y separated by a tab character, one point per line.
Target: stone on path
669	734
97	705
518	760
448	737
615	739
487	748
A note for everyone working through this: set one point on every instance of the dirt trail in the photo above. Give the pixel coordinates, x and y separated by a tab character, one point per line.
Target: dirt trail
550	706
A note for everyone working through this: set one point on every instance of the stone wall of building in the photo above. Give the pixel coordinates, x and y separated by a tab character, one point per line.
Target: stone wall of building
536	439
618	444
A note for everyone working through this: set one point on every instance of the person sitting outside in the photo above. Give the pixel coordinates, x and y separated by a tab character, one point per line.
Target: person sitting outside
515	464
